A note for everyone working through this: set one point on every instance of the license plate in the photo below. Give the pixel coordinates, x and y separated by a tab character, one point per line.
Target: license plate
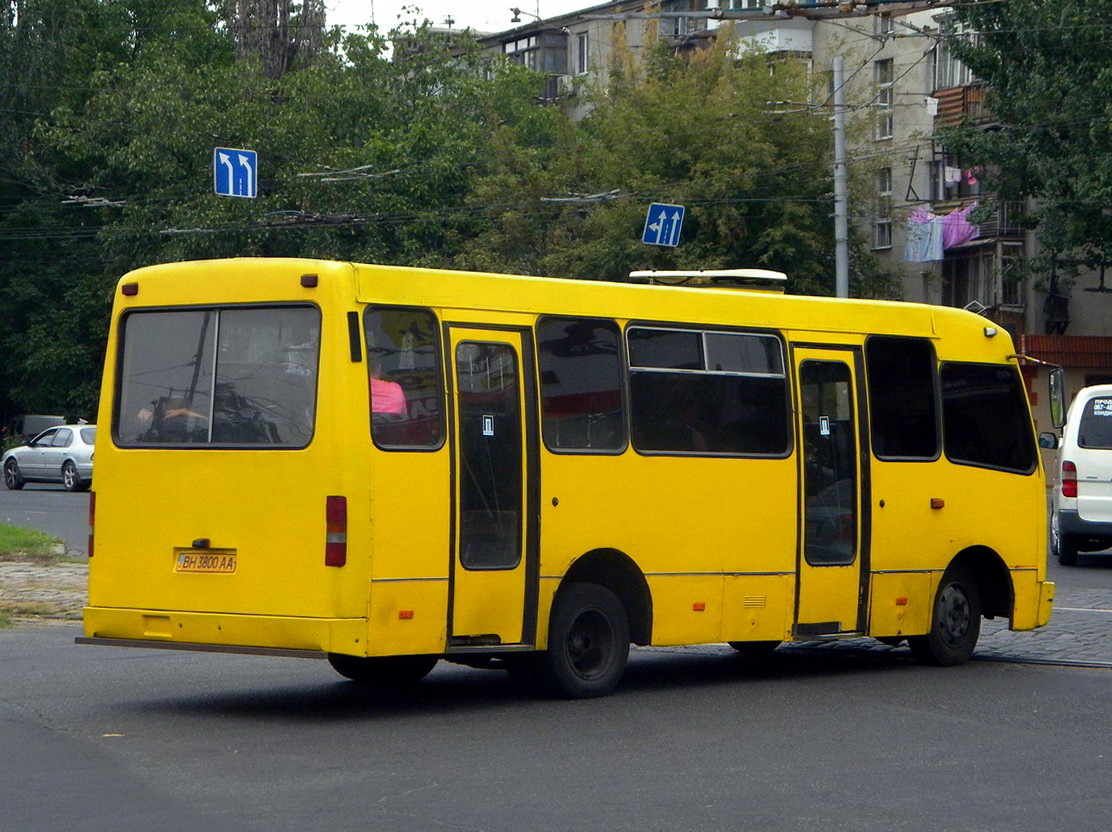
206	560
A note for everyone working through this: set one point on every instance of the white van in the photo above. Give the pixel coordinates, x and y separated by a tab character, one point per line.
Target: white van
1081	511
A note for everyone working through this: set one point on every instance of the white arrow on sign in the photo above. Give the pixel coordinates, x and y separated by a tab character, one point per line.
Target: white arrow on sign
675	229
226	160
245	163
661	227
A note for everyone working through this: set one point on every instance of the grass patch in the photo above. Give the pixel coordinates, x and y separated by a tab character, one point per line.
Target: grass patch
28	609
18	544
13	611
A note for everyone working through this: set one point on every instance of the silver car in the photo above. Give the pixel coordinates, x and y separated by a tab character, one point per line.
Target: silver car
63	454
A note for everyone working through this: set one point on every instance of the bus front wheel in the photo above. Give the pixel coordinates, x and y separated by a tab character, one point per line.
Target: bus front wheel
383	671
588	642
955	622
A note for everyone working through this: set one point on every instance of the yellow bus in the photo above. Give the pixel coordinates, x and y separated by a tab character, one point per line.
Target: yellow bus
387	466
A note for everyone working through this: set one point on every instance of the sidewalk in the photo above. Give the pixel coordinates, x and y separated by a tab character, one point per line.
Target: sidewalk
34	592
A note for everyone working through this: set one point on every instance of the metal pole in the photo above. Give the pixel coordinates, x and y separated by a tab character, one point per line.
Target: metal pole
841	184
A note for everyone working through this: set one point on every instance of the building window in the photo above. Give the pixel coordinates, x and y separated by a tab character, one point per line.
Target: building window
948	71
882	233
883	24
882	226
522	51
677	27
582	54
884	182
884	73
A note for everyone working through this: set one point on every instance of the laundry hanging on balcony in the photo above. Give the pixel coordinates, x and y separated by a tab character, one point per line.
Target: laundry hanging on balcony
929	235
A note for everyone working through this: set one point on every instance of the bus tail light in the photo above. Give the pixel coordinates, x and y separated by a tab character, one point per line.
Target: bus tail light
1069	479
336	526
92	516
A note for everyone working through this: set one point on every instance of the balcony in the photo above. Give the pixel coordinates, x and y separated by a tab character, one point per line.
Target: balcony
958	104
1003	223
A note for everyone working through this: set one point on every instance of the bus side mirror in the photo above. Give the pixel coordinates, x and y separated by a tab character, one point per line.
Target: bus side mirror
1057	397
1048	441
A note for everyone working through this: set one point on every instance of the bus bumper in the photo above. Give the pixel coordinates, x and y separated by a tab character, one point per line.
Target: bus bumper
1034	600
1046	602
273	635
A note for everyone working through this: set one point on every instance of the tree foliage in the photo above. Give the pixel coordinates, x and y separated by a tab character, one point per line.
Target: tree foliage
1047	73
404	149
694	130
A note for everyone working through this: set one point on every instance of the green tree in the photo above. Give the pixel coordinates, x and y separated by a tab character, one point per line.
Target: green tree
135	145
695	130
1047	73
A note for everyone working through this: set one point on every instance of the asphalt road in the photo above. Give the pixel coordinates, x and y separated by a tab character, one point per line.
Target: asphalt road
128	739
49	508
695	738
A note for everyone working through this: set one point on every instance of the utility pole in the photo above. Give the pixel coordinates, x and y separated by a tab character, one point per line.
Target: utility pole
841	184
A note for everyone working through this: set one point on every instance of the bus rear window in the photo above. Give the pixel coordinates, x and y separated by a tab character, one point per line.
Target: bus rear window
235	377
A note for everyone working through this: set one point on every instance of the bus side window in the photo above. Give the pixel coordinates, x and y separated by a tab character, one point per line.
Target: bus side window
404	378
581	385
903	405
708	392
985	419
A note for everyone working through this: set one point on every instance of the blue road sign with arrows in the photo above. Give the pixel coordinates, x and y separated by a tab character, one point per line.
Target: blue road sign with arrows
235	172
663	224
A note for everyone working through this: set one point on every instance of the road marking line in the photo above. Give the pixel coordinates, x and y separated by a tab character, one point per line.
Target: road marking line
1079	609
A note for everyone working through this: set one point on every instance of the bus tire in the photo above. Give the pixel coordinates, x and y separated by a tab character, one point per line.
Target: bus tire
955	622
588	642
13	480
383	671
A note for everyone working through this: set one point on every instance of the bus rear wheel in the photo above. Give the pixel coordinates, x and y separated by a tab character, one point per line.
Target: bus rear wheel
383	671
588	642
955	622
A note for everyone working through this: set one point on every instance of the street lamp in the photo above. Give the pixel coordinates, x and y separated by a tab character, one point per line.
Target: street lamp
518	13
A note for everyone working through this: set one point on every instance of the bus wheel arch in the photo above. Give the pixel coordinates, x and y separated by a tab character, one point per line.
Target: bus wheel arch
975	584
616	571
994	581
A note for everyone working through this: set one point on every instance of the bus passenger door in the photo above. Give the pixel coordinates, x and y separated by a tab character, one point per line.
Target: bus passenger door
493	588
833	549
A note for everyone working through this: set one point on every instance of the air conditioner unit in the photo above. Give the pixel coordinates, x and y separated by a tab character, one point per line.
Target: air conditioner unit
565	86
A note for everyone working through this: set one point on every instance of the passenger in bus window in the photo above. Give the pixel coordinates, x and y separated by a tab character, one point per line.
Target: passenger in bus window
386	396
